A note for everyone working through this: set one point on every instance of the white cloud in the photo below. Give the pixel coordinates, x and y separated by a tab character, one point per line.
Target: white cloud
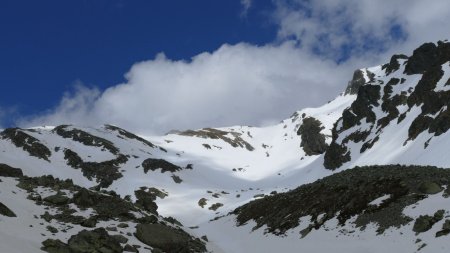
246	4
247	84
364	26
75	107
239	84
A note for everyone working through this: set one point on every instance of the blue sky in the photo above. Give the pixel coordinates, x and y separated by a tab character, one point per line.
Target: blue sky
48	45
153	66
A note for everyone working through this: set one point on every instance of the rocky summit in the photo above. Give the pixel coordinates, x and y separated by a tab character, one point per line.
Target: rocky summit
365	172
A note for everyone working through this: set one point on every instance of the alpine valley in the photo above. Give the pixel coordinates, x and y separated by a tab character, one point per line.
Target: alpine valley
365	172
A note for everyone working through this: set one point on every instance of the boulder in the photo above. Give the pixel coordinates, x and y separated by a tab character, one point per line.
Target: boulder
57	199
154	164
430	188
167	239
97	240
55	246
313	142
5	211
8	171
84	198
146	201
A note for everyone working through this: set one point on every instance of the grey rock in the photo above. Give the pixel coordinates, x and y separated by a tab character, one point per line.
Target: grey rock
5	211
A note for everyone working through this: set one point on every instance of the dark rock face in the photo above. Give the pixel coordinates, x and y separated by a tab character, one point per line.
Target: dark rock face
368	96
85	198
335	156
5	211
57	199
129	248
389	105
85	138
432	103
428	187
154	164
344	195
211	133
361	108
424	222
95	241
313	142
146	201
104	172
445	229
30	183
55	246
426	56
8	171
129	135
376	95
27	142
168	239
357	81
107	206
393	64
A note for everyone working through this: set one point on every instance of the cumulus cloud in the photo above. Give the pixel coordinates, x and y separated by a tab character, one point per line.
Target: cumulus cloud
237	84
345	29
319	45
76	107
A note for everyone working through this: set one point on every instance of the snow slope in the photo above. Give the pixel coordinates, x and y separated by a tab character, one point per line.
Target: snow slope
223	174
216	170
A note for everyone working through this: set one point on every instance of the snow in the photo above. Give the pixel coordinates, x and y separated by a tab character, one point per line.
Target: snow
26	232
331	237
378	201
234	176
223	174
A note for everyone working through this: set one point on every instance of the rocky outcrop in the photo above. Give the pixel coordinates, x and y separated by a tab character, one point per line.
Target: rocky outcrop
129	135
348	194
168	239
154	164
357	81
164	234
57	199
427	56
393	64
313	142
146	201
432	102
8	171
424	222
5	211
27	142
85	138
232	138
335	156
361	109
104	172
97	240
382	103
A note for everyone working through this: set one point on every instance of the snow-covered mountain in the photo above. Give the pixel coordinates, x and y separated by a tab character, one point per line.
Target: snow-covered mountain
400	115
288	187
